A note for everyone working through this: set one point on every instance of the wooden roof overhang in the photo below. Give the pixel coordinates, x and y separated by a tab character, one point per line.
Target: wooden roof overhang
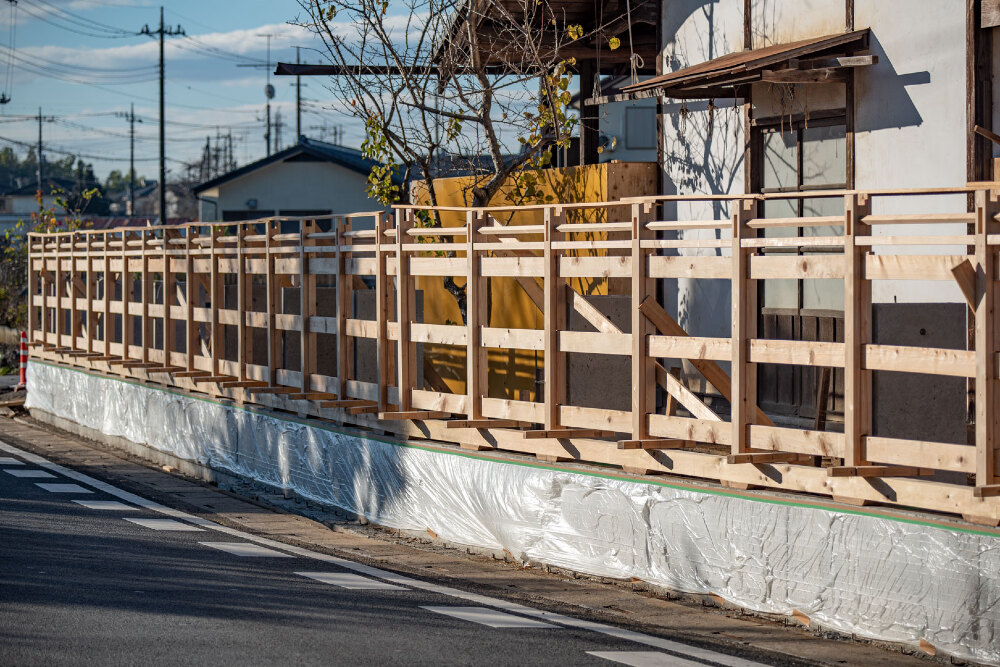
815	60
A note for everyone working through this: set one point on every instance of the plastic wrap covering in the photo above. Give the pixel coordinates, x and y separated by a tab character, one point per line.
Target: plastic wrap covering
872	576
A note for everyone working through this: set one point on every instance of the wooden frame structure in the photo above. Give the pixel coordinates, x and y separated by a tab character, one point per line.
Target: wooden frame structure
151	304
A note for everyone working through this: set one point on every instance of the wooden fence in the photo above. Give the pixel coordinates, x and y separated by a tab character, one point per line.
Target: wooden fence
266	312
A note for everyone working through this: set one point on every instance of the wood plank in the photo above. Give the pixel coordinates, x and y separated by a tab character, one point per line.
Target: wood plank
878	471
857	334
933	361
554	316
477	290
483	423
756	458
643	366
652	443
565	433
965	276
414	415
987	397
347	403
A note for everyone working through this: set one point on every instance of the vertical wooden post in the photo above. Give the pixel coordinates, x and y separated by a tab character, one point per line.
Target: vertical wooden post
406	309
169	295
643	367
554	319
857	332
191	294
987	403
477	316
128	288
60	288
33	287
147	296
74	312
108	319
744	328
244	302
215	284
383	286
273	335
307	306
345	308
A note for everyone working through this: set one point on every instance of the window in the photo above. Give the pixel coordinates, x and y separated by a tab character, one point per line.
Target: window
640	127
796	157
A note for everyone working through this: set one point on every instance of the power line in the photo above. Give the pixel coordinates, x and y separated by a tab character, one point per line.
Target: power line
77	154
75	28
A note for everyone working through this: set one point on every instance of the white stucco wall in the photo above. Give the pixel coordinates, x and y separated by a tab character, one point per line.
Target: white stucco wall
295	186
910	120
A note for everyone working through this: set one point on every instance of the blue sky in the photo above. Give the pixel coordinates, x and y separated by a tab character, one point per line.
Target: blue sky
81	80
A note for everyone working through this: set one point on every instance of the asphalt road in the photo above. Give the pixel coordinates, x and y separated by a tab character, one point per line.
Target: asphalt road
91	574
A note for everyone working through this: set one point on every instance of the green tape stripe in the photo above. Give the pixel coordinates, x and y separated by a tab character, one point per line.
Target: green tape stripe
526	464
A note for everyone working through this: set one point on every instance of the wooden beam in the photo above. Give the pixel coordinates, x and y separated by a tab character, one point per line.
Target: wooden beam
987	396
878	471
965	276
837	61
982	131
554	315
477	316
414	415
989	491
768	457
191	374
743	393
213	378
652	443
483	423
857	332
643	287
264	389
311	396
236	383
566	433
824	75
347	403
140	364
165	369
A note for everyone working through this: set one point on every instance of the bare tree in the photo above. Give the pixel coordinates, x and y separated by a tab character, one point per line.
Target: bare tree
449	87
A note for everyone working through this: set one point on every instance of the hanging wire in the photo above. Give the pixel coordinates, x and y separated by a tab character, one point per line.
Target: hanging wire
8	84
635	60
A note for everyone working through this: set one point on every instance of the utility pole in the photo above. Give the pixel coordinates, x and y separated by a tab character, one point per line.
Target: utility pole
41	169
162	32
132	120
298	100
268	92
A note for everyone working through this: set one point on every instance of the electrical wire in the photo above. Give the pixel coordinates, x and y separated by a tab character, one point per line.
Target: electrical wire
8	87
75	28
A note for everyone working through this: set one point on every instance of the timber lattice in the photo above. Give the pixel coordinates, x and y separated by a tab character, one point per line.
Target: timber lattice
151	303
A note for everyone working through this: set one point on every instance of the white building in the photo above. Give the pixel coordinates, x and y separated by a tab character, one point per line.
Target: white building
903	118
310	178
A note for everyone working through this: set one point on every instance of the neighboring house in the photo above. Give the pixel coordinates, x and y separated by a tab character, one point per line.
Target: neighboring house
310	178
181	204
20	202
627	130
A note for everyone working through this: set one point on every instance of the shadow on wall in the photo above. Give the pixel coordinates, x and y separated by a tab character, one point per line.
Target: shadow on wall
883	83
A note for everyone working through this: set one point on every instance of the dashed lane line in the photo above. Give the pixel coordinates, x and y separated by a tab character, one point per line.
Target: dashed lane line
63	488
36	474
661	643
353	582
645	659
246	549
163	524
8	461
105	505
490	617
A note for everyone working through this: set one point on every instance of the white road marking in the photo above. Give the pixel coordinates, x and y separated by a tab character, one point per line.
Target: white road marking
475	598
63	488
8	461
645	659
163	524
353	582
245	549
104	505
490	617
38	474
